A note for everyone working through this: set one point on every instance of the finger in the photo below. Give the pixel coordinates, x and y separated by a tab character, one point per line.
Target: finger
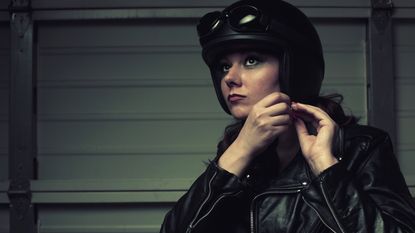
278	109
281	120
302	131
274	98
316	112
306	108
307	118
303	115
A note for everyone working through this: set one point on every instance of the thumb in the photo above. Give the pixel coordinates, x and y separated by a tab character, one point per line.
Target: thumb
301	129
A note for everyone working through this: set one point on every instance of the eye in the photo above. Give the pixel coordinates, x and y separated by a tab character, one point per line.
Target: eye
252	61
224	67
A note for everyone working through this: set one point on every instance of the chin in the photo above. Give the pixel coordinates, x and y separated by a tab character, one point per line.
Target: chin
239	113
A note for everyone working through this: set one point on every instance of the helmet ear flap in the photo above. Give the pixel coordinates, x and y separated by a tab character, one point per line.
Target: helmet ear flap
216	79
284	72
306	77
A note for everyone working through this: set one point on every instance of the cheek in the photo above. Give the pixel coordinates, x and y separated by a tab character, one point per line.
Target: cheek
264	90
275	86
270	83
274	81
224	88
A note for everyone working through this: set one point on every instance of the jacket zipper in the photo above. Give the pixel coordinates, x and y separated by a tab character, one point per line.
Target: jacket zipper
319	216
288	190
214	205
330	207
194	223
190	227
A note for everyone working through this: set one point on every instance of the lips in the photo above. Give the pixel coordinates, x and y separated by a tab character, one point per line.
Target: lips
235	98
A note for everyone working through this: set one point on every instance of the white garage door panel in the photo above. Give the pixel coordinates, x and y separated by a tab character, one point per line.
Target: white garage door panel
353	103
406	140
345	74
341	31
120	34
143	135
122	166
344	49
406	128
345	67
405	85
130	149
104	218
405	93
124	101
127	101
142	65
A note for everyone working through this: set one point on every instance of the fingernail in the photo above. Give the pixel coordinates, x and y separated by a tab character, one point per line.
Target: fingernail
294	106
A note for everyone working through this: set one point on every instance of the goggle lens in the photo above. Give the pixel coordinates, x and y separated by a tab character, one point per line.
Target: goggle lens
209	23
243	18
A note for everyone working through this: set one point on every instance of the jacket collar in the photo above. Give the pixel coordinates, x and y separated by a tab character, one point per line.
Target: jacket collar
297	172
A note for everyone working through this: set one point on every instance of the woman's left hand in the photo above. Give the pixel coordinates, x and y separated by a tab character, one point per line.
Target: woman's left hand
317	149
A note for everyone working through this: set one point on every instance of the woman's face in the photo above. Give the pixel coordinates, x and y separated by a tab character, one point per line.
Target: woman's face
247	78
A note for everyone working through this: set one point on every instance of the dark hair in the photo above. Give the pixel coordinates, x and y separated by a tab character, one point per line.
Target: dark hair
329	103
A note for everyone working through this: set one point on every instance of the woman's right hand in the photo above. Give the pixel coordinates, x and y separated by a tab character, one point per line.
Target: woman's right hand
268	119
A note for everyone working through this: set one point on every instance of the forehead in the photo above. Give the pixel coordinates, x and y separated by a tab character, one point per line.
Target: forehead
242	53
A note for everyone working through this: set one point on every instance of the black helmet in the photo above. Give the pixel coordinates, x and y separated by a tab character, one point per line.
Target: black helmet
272	26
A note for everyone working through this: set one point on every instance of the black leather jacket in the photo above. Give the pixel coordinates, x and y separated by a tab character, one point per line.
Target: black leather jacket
364	192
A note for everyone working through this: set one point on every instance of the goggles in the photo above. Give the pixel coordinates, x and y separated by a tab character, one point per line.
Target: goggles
245	18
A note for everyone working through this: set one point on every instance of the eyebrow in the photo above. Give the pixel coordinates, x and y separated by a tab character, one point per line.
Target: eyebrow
245	54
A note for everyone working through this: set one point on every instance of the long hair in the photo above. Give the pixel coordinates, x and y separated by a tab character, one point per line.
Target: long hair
329	103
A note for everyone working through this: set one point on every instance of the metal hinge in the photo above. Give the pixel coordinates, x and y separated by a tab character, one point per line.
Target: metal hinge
18	6
382	4
381	14
20	196
20	15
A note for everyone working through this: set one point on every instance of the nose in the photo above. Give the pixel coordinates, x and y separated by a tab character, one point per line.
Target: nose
233	76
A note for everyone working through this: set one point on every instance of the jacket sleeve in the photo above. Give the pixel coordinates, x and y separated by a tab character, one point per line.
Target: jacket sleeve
198	207
371	198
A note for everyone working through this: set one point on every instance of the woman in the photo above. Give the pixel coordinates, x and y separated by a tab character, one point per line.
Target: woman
292	162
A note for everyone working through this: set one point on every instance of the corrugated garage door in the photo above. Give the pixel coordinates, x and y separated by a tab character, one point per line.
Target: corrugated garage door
405	86
126	108
127	115
131	103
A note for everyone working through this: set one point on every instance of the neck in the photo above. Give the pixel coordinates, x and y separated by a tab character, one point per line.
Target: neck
287	147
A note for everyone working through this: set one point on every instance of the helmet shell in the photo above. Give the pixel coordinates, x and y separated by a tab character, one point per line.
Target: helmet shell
290	36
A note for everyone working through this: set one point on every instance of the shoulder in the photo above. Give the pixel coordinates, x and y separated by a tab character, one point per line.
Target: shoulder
362	143
364	134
